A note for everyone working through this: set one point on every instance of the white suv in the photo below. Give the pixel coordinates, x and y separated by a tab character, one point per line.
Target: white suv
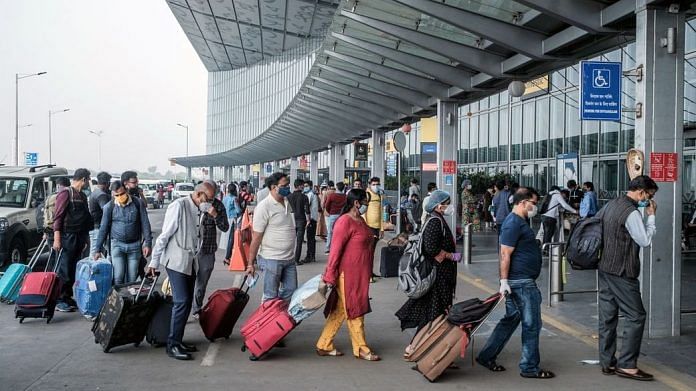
182	190
22	191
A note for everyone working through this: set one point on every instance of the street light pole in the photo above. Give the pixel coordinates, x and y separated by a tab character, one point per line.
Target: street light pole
98	134
16	138
187	138
50	145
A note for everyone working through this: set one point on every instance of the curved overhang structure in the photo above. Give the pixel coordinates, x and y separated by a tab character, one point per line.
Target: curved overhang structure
384	63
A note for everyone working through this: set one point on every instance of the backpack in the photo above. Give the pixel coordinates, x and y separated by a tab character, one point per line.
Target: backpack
47	210
584	247
416	273
545	205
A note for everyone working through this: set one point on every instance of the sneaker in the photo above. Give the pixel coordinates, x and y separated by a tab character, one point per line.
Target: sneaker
90	318
64	307
72	303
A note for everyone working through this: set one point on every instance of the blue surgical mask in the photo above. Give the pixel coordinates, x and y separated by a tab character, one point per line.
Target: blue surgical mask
643	203
284	191
307	189
363	209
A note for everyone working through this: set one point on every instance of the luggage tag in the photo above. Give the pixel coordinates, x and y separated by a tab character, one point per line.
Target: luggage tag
251	281
92	285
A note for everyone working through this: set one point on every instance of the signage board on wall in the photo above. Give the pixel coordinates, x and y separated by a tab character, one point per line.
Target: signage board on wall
536	87
31	158
361	150
664	166
600	91
566	168
449	167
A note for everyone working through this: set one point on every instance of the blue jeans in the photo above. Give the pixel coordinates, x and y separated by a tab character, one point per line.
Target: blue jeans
182	295
522	305
279	278
125	258
331	220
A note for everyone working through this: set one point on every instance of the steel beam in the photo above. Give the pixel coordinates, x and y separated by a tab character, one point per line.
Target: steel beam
328	117
360	103
301	117
432	87
585	14
443	72
468	56
395	103
515	38
346	108
411	96
357	120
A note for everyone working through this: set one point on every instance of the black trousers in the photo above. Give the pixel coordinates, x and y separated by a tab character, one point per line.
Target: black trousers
73	245
182	292
300	227
311	240
549	228
620	294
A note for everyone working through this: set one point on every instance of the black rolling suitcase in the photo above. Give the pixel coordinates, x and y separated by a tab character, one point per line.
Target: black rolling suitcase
158	330
389	260
126	314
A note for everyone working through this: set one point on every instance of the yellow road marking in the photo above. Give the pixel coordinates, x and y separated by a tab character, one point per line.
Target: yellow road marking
663	374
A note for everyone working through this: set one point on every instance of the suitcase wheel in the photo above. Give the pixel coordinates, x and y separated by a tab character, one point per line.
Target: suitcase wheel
96	340
137	344
253	358
21	320
107	350
243	346
212	340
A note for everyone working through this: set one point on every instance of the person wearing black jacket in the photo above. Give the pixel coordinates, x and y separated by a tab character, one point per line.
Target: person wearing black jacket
96	201
300	208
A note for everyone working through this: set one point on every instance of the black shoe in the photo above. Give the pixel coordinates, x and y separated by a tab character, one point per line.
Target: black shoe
178	353
299	263
608	371
188	348
640	375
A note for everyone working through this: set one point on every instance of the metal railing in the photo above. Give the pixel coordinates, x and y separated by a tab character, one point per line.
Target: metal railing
555	280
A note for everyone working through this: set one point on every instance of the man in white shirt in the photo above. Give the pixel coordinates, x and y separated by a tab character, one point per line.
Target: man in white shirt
551	211
273	241
178	248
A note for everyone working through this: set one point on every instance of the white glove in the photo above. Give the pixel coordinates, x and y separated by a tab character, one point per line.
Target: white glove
504	287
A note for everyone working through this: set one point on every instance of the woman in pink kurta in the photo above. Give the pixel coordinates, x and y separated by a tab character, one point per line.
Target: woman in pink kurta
349	270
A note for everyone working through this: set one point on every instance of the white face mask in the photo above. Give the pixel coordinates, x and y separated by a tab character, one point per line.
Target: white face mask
449	211
374	188
205	206
533	212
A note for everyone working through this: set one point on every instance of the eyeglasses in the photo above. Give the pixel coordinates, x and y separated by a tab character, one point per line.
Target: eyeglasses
533	202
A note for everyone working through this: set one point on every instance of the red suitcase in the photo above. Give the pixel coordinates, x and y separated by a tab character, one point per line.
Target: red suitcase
221	312
39	294
267	326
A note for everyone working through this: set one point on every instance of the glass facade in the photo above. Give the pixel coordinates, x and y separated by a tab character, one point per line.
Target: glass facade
243	103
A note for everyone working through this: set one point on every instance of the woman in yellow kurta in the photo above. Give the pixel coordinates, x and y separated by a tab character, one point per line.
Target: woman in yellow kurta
348	270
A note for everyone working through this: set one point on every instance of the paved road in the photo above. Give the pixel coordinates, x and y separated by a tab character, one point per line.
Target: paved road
63	356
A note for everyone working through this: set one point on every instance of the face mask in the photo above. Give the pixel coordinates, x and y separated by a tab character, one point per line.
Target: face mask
532	213
374	188
284	191
307	190
643	203
121	199
468	187
205	206
363	209
134	192
449	211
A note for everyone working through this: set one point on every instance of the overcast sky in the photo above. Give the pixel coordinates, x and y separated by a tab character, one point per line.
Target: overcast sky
124	67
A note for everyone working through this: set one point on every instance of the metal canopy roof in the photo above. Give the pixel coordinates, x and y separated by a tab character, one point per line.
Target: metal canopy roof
384	63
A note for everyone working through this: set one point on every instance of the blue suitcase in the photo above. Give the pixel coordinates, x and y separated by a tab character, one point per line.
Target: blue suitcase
93	280
11	281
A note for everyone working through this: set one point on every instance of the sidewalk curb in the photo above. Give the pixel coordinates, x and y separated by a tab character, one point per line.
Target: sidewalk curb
664	374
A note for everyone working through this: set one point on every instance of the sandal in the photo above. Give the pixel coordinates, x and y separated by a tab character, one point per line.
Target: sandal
408	352
368	357
329	353
542	374
492	366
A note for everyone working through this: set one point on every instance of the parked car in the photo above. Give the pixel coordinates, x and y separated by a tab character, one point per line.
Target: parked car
149	188
182	190
22	191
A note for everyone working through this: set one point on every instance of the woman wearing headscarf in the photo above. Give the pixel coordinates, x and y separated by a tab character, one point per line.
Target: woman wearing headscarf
349	270
438	248
469	202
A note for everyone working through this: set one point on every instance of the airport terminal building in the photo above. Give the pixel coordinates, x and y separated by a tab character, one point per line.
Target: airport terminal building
303	86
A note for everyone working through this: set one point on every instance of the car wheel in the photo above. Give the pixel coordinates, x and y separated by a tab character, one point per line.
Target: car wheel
18	251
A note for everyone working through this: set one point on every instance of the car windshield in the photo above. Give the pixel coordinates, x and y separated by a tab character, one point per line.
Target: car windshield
13	192
184	187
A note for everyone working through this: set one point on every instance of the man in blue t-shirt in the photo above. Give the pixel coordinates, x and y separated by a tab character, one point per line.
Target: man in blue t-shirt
520	265
501	205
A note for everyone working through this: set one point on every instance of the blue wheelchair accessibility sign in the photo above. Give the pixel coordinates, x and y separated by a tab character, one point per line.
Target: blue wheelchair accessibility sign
600	91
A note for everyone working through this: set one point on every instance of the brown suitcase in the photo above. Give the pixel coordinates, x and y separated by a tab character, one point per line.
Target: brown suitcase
443	353
427	337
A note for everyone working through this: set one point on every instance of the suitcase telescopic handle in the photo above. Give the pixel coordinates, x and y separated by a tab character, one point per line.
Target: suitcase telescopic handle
39	251
142	285
48	261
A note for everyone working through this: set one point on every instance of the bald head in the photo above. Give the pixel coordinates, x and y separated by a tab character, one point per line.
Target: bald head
203	192
211	183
